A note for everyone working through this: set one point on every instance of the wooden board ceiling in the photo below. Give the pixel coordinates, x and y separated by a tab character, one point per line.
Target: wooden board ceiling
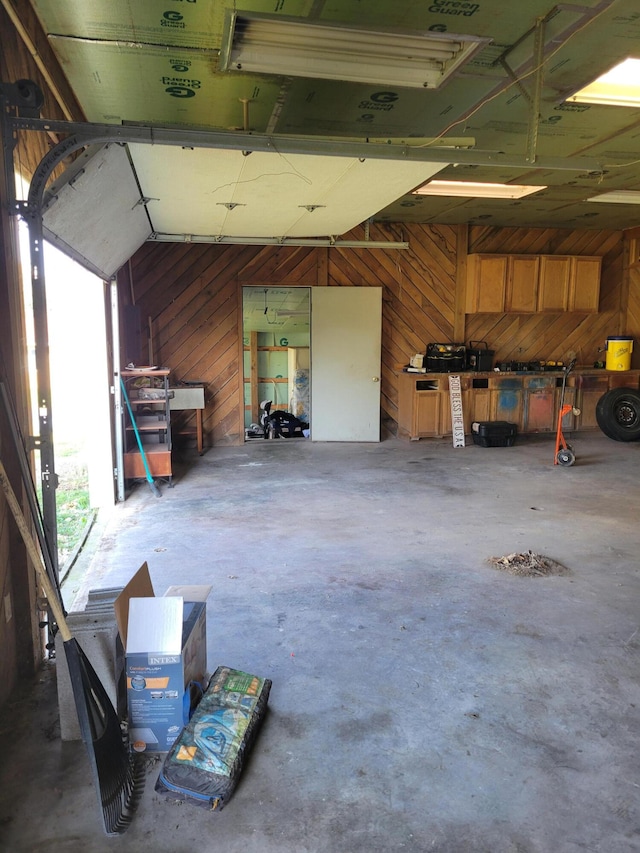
127	61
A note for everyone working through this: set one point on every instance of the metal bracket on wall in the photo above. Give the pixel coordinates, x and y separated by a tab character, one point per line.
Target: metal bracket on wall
25	95
21	102
23	99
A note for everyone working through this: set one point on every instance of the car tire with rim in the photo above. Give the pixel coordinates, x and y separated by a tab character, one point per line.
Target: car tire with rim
618	414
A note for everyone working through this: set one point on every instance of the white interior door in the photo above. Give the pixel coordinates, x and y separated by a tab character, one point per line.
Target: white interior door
346	331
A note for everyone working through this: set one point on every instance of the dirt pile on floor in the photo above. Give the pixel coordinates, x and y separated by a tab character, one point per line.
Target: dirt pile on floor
528	564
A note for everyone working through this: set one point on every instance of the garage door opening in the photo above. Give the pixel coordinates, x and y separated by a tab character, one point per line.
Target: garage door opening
80	392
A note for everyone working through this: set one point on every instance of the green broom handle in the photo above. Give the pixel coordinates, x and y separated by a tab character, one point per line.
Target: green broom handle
135	429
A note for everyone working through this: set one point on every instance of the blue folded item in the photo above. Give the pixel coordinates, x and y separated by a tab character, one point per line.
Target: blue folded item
205	761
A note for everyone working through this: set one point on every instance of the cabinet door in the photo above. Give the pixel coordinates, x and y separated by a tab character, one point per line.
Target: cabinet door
486	283
506	400
553	286
427	413
522	284
590	388
479	406
624	379
444	427
539	404
584	286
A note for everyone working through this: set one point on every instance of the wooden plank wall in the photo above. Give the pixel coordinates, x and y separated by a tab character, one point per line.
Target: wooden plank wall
192	295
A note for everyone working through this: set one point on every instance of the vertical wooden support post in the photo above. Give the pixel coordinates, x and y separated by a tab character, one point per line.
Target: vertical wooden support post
20	637
323	267
253	376
462	250
240	339
534	113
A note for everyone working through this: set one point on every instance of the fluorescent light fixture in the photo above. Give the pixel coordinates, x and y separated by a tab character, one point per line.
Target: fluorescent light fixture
296	47
618	87
471	189
618	197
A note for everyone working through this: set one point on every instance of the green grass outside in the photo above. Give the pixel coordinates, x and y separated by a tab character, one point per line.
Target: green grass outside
72	500
73	513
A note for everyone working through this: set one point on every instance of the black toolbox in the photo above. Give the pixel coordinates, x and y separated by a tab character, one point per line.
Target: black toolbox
494	433
479	357
445	358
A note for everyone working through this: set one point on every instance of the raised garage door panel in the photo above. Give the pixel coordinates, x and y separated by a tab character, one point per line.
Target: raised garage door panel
93	212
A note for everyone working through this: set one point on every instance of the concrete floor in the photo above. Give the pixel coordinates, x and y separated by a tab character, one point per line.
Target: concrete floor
422	700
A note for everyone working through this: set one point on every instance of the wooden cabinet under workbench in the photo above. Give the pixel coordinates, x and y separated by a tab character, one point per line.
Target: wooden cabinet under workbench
530	399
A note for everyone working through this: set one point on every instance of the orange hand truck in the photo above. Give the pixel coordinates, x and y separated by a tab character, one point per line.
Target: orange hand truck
564	454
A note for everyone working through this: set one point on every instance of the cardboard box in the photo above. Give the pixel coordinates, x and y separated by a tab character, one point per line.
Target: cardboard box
165	642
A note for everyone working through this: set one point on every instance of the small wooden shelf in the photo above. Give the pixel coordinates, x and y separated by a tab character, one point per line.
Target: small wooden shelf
151	412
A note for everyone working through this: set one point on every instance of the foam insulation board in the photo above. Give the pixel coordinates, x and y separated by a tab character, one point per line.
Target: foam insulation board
504	123
187	22
368	111
454	16
118	82
312	103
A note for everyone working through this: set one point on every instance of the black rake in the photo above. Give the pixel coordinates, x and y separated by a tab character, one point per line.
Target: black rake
118	774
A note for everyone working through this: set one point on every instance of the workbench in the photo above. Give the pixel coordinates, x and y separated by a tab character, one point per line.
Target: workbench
530	399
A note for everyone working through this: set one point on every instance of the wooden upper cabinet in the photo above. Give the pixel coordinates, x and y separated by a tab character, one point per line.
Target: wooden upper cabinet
486	283
523	284
584	284
553	286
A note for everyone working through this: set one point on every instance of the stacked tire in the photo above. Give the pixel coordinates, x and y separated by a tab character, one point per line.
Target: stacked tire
618	414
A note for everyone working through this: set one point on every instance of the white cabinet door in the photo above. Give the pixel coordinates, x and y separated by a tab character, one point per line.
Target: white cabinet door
346	339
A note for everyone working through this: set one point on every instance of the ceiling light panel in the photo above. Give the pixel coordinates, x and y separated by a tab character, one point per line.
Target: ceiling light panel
618	197
471	189
620	86
298	48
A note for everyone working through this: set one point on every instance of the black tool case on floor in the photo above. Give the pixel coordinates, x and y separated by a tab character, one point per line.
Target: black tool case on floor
205	762
494	433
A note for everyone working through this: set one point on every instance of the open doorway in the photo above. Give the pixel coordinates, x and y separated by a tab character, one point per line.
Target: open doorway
276	339
80	395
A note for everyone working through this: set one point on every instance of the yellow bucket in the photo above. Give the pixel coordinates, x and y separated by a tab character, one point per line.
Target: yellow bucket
619	353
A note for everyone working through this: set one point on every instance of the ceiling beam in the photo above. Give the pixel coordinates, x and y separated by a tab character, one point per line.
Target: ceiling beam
80	134
534	110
